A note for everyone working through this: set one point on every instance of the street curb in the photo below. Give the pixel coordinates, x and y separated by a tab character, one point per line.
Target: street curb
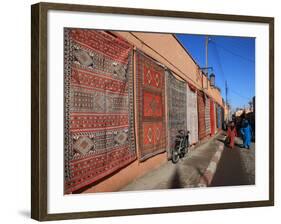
207	177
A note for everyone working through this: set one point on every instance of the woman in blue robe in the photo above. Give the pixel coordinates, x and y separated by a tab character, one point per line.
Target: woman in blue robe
246	132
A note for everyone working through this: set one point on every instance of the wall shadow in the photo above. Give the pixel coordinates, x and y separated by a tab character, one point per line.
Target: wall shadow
230	170
24	213
176	180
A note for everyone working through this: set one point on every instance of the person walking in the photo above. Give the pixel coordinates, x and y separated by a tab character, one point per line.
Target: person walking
246	132
231	134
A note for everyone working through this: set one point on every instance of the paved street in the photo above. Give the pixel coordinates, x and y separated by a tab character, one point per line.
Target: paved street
234	167
186	173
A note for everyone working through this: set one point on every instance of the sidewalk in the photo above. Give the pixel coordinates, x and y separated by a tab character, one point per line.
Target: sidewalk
195	170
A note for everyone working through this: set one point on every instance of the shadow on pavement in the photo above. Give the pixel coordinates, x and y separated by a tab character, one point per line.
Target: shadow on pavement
202	175
230	170
176	180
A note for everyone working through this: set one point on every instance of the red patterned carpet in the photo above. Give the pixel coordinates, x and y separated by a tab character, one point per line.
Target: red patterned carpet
201	115
151	107
99	119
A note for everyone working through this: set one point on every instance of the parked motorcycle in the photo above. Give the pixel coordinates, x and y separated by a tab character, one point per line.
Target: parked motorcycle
181	145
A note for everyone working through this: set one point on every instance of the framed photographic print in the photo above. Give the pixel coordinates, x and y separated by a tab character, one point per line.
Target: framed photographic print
138	111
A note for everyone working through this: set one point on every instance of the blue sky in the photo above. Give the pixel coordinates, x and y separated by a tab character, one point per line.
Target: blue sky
232	59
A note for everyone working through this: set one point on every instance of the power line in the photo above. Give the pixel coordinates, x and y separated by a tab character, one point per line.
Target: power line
219	61
222	72
235	54
237	43
223	76
238	94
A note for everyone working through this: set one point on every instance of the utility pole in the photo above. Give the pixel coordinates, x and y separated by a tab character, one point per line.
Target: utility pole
226	92
226	100
206	68
206	53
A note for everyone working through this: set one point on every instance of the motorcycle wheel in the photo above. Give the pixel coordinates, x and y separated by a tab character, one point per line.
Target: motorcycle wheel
175	156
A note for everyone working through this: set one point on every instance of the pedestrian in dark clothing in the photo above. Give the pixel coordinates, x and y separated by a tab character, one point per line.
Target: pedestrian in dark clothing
246	132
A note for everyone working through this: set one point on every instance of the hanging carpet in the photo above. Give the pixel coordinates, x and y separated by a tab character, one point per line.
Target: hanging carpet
207	115
150	106
99	118
201	115
192	113
177	109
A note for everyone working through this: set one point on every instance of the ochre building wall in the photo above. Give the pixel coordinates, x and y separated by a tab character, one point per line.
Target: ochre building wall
165	49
